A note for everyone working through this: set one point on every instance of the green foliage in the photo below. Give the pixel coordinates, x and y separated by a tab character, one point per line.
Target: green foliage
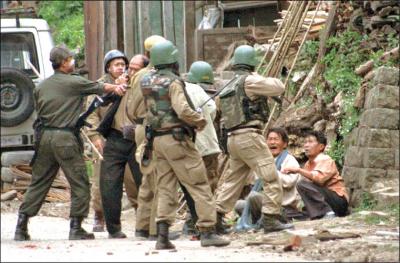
367	202
65	18
336	152
89	168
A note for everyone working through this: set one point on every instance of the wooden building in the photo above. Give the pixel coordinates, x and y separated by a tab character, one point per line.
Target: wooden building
124	25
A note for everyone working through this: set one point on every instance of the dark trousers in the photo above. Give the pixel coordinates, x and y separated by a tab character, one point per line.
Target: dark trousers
320	200
117	152
189	203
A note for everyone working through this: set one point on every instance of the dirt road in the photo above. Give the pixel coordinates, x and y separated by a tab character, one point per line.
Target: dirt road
49	232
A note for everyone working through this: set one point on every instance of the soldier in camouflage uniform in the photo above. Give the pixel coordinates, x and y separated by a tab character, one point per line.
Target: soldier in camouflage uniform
171	121
244	111
59	101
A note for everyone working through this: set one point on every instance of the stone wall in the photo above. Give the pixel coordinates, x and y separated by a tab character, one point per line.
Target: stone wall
372	158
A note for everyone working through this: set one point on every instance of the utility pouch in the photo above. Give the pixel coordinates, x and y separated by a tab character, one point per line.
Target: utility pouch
178	134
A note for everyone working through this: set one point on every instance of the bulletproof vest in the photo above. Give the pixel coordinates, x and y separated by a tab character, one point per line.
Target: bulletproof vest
155	89
237	108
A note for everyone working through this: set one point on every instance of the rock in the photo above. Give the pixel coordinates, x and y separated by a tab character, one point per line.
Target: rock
9	195
380	118
320	125
382	96
386	76
353	157
351	176
375	138
368	176
378	157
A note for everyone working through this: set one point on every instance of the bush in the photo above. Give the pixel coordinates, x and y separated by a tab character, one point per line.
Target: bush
66	20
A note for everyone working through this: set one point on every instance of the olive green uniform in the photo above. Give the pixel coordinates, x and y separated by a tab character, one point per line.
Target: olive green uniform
59	100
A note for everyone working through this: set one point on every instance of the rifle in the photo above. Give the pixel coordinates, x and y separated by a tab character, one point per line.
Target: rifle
97	102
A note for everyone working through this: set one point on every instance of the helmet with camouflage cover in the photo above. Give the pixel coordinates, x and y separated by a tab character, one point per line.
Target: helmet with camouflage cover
244	54
201	72
113	54
152	40
163	53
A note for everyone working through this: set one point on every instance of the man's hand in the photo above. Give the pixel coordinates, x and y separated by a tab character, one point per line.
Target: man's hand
122	80
99	144
120	90
289	170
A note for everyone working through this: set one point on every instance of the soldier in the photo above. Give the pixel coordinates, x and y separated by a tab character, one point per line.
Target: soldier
171	121
115	63
59	101
200	87
136	112
119	150
244	111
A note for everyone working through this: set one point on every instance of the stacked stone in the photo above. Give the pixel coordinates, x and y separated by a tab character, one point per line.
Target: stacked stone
372	157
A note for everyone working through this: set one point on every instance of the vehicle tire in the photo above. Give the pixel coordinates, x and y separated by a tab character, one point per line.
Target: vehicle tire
7	175
16	157
16	97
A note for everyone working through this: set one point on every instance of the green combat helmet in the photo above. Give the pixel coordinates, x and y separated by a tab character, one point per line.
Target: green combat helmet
244	54
163	53
201	72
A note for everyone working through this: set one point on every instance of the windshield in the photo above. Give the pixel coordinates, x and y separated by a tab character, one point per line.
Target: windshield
17	50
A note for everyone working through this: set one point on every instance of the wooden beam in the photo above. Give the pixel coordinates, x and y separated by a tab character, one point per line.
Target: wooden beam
189	26
129	22
144	22
168	20
94	32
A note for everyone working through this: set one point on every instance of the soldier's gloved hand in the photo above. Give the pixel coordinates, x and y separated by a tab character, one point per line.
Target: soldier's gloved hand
201	124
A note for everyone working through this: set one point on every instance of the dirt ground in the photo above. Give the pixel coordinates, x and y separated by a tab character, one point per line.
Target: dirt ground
49	233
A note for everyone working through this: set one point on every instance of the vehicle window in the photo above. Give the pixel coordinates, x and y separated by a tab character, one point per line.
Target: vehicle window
17	50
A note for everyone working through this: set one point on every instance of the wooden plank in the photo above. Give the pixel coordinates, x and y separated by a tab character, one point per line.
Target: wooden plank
168	20
129	14
94	31
189	27
144	19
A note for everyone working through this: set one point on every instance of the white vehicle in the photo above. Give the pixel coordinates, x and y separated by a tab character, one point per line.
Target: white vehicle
25	47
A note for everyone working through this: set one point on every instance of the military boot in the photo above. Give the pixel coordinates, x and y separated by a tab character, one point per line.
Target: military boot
142	233
21	232
209	238
162	239
76	231
98	224
271	223
189	228
221	227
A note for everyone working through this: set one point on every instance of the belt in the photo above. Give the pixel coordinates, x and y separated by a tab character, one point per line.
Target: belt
239	130
71	129
139	121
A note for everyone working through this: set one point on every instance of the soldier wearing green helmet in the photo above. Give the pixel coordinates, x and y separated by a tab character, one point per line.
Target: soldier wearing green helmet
171	121
244	111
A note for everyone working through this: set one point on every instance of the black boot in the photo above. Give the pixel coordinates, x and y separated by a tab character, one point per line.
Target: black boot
221	228
98	224
271	223
189	228
162	239
142	233
118	234
76	231
21	232
209	238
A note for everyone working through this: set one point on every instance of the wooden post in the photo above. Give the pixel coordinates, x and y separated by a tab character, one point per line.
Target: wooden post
94	31
129	27
189	25
144	22
168	20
